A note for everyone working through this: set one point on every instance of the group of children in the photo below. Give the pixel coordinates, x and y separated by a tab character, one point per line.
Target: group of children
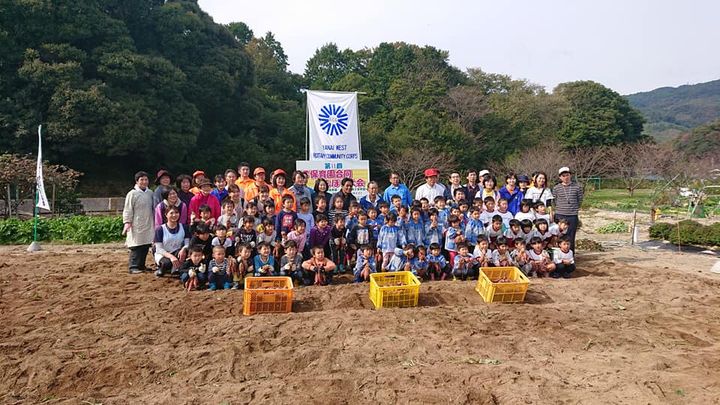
312	242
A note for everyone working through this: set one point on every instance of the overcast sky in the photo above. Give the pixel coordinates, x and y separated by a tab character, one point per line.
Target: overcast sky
628	45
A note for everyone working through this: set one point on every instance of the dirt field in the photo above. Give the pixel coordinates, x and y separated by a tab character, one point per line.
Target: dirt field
632	327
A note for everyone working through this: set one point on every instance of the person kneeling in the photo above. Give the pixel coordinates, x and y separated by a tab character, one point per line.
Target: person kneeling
192	272
564	260
319	268
464	263
540	262
218	278
365	264
291	262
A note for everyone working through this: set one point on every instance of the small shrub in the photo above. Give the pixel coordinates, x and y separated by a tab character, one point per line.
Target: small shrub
661	230
589	245
613	227
687	232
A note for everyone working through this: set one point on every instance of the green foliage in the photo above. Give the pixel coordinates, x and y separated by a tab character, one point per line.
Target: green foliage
150	83
702	141
613	227
16	231
77	229
679	108
142	84
618	199
597	115
661	230
687	232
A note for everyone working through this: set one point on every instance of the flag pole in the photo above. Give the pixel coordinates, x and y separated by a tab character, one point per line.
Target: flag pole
35	245
307	132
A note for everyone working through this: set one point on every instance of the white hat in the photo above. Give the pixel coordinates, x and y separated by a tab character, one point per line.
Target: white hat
564	169
483	172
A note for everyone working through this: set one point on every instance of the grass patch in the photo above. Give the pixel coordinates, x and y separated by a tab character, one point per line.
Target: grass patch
619	200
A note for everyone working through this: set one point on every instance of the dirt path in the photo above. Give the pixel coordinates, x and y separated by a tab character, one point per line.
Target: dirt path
632	327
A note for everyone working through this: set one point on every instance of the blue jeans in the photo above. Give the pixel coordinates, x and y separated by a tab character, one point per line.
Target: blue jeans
202	278
219	281
564	268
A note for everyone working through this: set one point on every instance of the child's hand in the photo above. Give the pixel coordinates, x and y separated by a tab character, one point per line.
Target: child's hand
202	268
215	269
191	273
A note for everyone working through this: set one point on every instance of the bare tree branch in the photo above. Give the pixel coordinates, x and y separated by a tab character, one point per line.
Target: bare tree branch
411	163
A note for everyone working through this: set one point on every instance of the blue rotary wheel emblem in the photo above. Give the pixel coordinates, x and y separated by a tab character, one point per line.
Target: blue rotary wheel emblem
333	119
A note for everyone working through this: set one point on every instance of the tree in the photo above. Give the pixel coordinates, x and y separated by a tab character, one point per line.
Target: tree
466	105
634	163
17	173
597	116
329	65
702	141
411	163
588	162
242	33
527	161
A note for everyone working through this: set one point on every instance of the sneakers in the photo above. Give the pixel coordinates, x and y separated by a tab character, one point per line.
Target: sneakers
135	271
212	287
555	274
236	286
566	275
158	273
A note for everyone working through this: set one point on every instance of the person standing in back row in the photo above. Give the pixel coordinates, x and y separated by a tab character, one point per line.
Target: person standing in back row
431	188
345	192
568	198
397	188
138	223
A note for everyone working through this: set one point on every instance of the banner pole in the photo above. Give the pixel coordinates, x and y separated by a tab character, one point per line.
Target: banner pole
307	131
35	216
357	108
35	246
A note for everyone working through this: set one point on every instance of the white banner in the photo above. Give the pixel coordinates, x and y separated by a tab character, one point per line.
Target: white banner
42	201
334	171
333	125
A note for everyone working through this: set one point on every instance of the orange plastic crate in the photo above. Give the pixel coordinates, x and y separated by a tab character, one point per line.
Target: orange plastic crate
267	295
513	291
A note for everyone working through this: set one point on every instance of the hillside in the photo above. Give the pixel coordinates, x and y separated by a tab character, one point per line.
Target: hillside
671	111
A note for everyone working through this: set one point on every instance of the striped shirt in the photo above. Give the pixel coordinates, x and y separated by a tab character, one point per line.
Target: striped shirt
567	198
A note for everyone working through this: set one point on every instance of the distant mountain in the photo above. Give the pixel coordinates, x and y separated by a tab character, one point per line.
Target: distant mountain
671	111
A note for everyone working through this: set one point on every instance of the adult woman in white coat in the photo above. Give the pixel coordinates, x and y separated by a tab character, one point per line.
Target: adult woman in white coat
138	222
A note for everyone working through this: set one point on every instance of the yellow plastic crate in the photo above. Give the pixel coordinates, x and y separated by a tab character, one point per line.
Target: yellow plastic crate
395	289
493	291
267	295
